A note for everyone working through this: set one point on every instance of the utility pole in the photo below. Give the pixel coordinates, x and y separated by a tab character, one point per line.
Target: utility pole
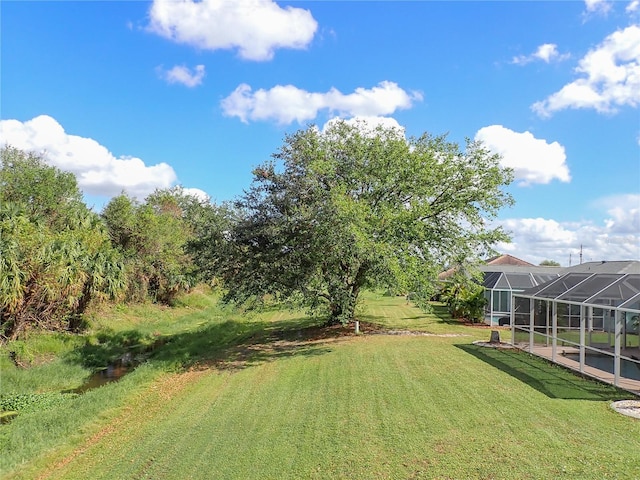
580	254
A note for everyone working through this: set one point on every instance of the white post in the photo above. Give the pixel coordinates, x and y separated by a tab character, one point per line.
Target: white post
547	323
616	351
531	324
357	327
554	330
491	307
582	338
512	319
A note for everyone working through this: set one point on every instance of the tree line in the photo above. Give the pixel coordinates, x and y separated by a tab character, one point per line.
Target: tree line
332	213
57	256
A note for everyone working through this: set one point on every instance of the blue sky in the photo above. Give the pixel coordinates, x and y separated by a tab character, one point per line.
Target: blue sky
142	95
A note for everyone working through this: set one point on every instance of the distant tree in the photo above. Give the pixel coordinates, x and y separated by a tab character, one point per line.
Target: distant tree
463	292
210	225
55	255
549	263
153	237
465	300
119	216
45	192
348	208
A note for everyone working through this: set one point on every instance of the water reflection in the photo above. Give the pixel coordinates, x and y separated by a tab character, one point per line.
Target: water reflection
112	373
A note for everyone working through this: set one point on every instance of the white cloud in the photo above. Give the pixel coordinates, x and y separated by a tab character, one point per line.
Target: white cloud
623	211
183	75
533	160
611	77
633	6
597	6
547	52
98	171
287	103
200	195
255	27
537	239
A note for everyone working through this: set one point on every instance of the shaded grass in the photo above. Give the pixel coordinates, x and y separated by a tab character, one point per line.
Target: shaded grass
546	377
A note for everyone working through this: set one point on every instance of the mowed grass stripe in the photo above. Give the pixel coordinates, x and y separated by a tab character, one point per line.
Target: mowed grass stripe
370	407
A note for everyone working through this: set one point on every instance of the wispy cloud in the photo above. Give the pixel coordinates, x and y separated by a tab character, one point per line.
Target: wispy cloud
547	53
597	7
183	75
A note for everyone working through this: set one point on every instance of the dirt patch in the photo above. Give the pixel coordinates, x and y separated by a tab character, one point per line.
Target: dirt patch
484	326
374	329
307	341
417	333
502	345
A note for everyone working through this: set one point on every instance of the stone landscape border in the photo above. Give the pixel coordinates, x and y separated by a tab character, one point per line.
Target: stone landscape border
630	408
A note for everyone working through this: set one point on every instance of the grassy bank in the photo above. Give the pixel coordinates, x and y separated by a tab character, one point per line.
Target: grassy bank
275	396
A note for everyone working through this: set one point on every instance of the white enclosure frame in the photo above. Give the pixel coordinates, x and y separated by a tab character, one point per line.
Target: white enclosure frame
622	308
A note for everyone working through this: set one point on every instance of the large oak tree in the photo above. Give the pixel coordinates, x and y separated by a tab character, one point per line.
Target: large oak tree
352	207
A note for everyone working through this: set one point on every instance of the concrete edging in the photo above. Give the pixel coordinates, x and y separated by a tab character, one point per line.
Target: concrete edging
630	408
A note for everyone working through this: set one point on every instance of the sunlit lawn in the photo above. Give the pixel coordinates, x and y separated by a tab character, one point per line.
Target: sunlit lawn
266	398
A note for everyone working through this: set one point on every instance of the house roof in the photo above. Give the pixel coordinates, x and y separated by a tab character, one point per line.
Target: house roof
498	263
506	259
521	269
622	266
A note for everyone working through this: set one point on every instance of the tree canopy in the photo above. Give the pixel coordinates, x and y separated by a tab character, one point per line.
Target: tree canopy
549	263
351	207
153	237
57	256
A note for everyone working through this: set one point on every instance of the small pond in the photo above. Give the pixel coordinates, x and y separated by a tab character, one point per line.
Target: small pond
111	373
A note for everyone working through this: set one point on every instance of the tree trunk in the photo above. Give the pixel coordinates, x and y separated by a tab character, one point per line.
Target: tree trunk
336	311
85	298
342	309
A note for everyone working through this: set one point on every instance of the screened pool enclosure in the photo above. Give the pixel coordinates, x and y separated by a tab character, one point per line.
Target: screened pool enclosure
500	285
586	321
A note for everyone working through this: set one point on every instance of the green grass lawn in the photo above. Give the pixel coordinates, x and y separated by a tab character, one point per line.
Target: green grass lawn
275	396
